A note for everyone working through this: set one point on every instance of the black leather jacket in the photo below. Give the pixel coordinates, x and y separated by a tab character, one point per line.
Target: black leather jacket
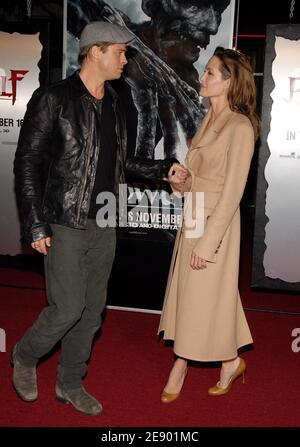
57	154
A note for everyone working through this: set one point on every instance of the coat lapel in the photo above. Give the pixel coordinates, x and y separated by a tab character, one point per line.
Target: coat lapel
206	135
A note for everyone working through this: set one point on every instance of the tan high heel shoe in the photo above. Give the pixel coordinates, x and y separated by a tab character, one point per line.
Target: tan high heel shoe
167	398
240	371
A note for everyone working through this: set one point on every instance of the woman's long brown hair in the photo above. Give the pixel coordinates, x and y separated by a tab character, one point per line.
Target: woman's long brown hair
242	90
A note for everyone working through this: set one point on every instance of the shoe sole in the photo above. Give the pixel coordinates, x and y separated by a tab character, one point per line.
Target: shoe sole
22	397
64	401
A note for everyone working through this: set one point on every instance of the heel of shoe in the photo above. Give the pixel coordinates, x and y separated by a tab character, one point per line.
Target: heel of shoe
62	400
243	370
11	359
240	372
59	396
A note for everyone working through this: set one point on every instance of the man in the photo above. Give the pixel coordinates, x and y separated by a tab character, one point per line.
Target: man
73	130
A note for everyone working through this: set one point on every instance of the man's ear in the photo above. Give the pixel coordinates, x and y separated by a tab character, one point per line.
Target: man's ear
94	52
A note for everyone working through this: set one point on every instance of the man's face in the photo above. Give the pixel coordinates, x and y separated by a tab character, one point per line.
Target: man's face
111	61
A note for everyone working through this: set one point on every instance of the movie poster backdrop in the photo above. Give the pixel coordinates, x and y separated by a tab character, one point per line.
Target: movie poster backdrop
276	250
22	70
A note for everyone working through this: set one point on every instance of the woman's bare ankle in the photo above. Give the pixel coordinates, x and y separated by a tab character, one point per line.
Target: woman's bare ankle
232	364
180	363
177	376
227	370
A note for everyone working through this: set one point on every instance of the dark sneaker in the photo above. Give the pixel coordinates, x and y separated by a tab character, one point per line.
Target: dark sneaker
80	399
24	379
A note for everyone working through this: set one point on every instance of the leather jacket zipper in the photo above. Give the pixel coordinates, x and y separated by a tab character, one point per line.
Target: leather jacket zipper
86	170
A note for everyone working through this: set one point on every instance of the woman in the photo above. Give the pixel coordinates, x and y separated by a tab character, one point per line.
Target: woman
202	310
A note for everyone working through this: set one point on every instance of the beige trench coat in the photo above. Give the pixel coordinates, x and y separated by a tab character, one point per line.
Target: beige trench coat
202	309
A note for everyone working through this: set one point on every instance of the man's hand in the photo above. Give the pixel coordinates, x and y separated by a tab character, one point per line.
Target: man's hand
42	245
197	263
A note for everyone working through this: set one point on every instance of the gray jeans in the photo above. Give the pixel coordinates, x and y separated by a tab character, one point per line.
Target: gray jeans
77	270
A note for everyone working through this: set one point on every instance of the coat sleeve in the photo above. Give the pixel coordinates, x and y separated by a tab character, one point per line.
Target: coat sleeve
34	141
239	158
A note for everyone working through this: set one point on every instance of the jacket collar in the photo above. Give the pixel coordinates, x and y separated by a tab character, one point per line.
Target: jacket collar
81	89
206	133
78	85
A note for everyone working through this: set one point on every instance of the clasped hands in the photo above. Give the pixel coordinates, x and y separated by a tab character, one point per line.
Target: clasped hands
177	177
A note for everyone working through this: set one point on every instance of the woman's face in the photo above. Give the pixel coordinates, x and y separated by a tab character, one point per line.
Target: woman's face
212	83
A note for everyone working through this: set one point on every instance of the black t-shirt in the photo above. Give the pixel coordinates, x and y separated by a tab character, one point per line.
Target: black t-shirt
105	172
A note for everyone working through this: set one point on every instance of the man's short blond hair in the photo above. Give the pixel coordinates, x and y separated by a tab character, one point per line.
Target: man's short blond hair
83	52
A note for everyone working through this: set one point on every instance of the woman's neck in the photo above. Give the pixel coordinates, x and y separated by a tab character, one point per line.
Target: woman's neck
217	107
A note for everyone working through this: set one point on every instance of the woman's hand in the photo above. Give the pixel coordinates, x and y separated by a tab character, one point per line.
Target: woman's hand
197	263
177	176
